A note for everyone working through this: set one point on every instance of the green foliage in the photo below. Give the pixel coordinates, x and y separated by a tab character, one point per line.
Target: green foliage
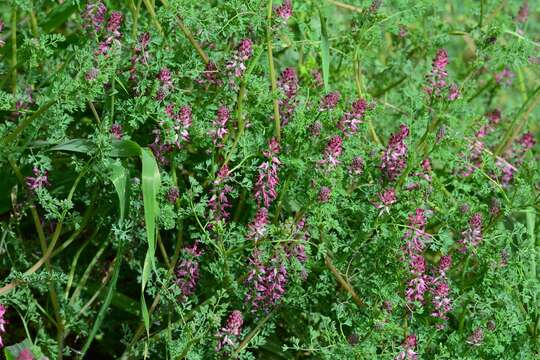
114	184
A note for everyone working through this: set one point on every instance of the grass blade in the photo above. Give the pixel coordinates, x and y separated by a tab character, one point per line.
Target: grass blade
125	148
74	145
119	177
150	189
325	52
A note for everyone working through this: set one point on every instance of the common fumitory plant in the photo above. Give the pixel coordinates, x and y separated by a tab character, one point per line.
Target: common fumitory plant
276	179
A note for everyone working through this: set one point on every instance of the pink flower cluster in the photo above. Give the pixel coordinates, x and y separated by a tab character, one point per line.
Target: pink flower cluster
437	77
514	157
477	146
116	131
211	75
219	202
284	11
394	158
523	12
324	194
228	335
243	53
265	190
332	152
3	322
182	122
473	235
187	272
94	15
504	77
140	56
220	126
39	180
357	166
387	198
477	337
160	148
408	352
329	101
177	127
267	180
113	33
413	249
266	281
440	291
351	119
257	228
173	194
25	354
165	80
288	84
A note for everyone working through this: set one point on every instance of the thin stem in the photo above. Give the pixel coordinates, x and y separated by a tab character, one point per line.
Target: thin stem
239	108
14	49
358	81
343	282
76	260
277	120
514	130
252	334
163	251
26	122
189	35
33	23
150	8
140	330
481	20
86	274
346	6
56	235
43	243
101	287
135	9
91	104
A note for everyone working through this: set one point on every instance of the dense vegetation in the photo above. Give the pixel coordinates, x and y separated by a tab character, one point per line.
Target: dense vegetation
269	180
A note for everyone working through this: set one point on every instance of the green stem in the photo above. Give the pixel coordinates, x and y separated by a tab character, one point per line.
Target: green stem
33	24
150	8
514	130
26	122
140	330
56	235
531	222
252	334
189	35
481	20
277	120
43	243
14	49
343	282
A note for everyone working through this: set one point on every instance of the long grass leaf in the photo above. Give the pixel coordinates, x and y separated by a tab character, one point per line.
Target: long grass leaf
150	189
119	177
325	52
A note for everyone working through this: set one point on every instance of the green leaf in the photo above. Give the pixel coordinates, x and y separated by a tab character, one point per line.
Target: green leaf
119	177
120	301
74	145
59	15
150	189
325	52
125	148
